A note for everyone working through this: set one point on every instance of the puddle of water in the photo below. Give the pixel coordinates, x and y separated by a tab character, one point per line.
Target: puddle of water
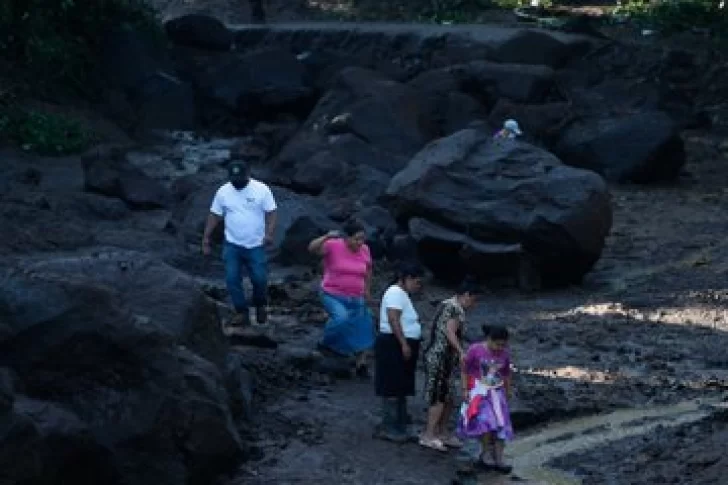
530	454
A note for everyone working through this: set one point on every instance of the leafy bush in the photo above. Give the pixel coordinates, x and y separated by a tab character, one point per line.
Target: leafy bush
44	133
678	15
57	42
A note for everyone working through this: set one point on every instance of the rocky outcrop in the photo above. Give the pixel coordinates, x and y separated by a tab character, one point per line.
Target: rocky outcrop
118	373
642	148
500	194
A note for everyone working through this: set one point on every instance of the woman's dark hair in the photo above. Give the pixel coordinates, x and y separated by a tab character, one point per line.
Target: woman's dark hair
352	227
409	269
495	332
469	287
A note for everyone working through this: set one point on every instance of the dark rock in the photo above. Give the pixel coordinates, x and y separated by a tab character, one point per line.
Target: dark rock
641	148
363	130
380	228
257	84
141	79
453	255
300	219
538	48
452	109
517	82
112	175
540	123
240	387
44	443
203	31
507	192
116	389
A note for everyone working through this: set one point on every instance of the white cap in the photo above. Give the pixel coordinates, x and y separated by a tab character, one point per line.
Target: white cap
512	125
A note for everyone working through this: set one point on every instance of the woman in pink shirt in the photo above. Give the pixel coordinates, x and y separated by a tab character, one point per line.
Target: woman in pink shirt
345	293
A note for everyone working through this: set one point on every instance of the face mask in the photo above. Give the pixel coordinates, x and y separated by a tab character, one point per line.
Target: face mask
239	184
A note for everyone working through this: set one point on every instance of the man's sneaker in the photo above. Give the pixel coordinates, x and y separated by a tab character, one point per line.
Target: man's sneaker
240	319
261	314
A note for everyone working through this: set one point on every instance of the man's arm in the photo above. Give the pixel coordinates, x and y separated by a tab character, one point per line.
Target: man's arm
271	214
212	222
271	218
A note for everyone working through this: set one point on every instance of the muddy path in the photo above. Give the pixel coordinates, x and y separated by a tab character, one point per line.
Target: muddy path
644	338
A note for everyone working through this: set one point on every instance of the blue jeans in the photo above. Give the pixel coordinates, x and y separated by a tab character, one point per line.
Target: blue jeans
255	262
350	328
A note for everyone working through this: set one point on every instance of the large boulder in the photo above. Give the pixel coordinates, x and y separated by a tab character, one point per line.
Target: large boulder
362	131
501	193
257	84
142	85
111	174
120	365
539	48
201	31
641	148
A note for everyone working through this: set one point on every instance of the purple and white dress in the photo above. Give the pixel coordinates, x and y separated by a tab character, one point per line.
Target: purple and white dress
487	408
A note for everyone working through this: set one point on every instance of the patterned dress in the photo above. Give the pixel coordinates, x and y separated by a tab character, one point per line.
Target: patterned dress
440	358
487	409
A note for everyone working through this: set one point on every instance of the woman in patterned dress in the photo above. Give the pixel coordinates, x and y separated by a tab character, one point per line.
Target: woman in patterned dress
442	356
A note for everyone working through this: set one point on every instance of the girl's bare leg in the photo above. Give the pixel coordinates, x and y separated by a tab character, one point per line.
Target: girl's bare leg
498	448
487	453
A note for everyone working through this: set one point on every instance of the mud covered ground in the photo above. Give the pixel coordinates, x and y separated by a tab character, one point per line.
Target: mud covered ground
649	328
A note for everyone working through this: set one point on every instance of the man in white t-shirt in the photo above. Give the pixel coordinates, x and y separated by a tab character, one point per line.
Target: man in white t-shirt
248	209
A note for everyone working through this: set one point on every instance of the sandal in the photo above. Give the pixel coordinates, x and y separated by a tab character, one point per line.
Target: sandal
433	444
452	442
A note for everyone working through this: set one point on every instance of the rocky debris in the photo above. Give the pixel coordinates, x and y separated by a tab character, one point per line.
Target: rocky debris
120	366
642	148
517	82
507	192
541	123
665	456
361	132
112	175
142	87
201	31
258	84
540	48
417	48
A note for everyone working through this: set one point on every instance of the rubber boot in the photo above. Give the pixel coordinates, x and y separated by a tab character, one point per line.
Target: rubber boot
390	428
403	417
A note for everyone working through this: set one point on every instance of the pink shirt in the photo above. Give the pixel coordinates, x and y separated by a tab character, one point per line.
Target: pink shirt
345	272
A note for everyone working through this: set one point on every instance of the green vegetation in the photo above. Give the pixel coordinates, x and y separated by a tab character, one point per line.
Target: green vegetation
49	49
678	15
44	133
56	43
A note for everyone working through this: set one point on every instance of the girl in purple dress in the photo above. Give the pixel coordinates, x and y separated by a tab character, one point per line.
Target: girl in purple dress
487	388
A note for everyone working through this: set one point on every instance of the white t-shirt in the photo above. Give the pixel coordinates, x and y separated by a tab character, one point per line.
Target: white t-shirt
396	298
244	212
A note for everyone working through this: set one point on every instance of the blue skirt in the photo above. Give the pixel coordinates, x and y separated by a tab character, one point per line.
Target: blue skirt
350	328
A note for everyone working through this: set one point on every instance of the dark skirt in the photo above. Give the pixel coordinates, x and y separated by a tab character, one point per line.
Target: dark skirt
394	376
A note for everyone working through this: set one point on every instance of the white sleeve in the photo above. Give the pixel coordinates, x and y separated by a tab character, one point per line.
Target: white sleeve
395	299
269	202
217	207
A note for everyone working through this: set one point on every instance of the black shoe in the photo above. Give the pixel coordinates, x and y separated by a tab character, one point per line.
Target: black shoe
261	314
504	469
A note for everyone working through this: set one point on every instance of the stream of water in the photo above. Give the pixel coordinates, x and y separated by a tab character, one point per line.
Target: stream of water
531	454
